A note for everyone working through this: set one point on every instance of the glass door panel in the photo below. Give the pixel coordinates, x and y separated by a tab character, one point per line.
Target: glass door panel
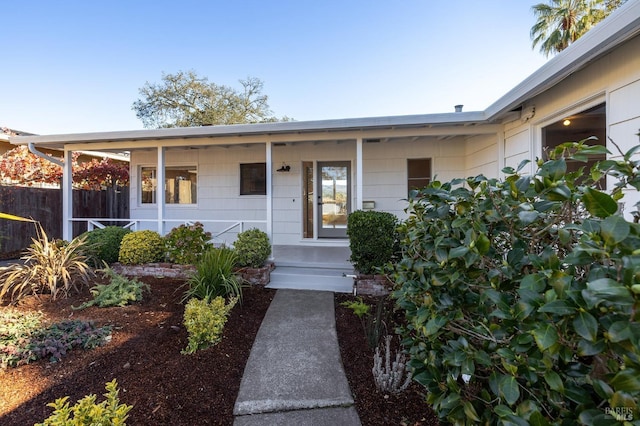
334	198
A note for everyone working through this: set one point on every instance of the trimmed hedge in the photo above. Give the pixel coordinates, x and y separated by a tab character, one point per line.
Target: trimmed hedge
373	239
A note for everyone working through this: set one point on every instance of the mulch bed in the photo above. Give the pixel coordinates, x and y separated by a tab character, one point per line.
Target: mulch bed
168	388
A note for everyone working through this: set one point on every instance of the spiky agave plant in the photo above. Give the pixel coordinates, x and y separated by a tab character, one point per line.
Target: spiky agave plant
48	266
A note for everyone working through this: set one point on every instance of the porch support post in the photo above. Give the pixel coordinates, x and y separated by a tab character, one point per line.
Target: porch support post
269	206
67	196
160	201
359	173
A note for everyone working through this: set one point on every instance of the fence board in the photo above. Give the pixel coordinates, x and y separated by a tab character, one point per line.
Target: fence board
45	206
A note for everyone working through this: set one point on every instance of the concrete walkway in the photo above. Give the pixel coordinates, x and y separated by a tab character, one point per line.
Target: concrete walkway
294	375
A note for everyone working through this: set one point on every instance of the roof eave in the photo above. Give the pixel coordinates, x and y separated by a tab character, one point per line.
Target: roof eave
289	127
617	28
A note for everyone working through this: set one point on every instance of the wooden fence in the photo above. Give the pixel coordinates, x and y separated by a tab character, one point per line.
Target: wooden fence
45	206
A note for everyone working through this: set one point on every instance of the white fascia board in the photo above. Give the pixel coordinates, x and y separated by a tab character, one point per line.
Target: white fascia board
267	129
620	26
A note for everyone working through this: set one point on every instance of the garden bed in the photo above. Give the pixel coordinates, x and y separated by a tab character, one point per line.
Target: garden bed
168	388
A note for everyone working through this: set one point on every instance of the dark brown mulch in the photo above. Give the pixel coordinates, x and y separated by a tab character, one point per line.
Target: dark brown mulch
374	407
168	388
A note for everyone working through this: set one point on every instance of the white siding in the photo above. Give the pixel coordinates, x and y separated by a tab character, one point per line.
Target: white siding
385	168
481	156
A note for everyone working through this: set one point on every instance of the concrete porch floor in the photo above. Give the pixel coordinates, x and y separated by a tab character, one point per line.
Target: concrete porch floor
311	256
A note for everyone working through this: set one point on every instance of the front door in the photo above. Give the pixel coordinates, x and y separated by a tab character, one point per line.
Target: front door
334	198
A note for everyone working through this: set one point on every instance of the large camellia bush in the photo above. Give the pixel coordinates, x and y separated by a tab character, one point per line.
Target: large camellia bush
522	294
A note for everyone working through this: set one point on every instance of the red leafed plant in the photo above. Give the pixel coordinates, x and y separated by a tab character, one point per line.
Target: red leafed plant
19	166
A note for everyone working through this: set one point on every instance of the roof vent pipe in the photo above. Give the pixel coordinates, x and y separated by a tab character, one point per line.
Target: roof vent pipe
33	150
458	108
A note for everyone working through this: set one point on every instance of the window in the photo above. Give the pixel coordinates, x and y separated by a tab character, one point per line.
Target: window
148	184
574	128
418	173
180	185
253	179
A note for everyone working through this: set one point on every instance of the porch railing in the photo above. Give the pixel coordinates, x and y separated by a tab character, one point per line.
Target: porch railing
222	231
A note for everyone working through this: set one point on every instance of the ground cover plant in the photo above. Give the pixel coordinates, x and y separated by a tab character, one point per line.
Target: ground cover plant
119	291
521	295
25	337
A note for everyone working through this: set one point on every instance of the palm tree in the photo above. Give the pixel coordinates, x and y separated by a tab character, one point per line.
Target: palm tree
561	22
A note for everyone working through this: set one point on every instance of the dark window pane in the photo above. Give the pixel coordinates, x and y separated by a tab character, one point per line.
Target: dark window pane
253	179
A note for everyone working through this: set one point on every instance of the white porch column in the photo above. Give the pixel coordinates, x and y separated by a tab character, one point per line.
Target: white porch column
359	174
269	191
160	189
67	196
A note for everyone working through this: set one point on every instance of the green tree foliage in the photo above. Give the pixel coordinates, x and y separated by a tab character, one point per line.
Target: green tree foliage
185	99
522	295
561	22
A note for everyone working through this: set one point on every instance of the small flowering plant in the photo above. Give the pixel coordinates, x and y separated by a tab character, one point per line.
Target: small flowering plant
186	243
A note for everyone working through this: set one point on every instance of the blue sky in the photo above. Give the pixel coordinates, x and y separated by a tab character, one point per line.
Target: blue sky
76	66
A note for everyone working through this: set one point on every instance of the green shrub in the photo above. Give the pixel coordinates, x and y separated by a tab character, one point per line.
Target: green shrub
87	412
373	239
49	266
186	244
23	338
521	295
119	292
103	244
141	247
205	321
215	276
252	248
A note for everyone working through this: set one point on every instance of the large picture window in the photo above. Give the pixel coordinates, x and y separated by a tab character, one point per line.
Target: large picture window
253	179
180	185
418	173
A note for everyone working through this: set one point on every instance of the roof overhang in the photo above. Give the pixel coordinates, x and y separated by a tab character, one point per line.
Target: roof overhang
619	27
302	130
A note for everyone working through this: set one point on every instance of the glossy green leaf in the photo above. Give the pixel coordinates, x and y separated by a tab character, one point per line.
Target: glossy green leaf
470	411
554	381
598	203
458	252
586	348
545	336
627	380
557	307
483	244
528	217
611	291
509	389
614	229
619	331
586	326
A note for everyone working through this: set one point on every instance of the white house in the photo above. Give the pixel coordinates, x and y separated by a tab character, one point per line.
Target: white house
298	181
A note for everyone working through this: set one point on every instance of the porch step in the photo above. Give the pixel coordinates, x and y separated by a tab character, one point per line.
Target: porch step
322	279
